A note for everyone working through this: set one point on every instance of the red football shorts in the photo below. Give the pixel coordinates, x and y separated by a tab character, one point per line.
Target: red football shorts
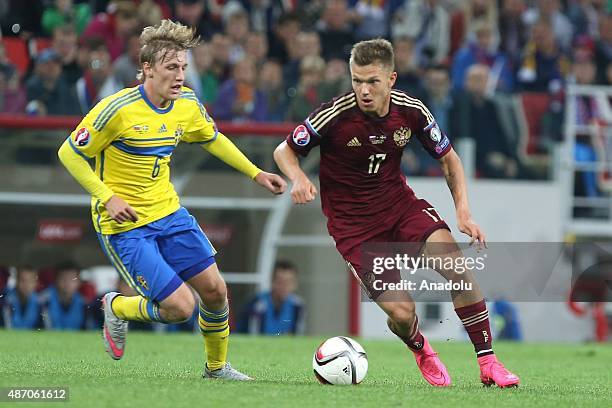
415	224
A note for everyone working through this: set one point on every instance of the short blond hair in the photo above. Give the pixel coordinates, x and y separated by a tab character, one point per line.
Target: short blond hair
376	51
167	36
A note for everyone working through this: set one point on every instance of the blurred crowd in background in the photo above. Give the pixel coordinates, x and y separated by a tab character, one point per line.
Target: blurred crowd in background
277	60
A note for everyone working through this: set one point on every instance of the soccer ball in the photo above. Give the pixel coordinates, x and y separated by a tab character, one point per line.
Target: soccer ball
340	361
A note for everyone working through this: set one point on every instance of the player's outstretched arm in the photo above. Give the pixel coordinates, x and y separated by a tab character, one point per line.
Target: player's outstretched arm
303	191
76	165
455	179
224	149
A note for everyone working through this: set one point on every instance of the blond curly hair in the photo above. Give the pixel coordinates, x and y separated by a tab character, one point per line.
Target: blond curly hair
157	41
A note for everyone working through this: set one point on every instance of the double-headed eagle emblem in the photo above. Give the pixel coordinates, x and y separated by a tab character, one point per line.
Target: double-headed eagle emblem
402	136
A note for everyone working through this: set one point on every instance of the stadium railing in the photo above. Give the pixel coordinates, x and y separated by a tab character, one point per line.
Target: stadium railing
587	161
19	131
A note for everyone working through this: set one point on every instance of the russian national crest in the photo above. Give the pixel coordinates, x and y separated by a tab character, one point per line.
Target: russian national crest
402	136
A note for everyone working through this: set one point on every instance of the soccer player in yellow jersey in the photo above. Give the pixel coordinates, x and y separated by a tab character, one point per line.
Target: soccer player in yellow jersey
155	244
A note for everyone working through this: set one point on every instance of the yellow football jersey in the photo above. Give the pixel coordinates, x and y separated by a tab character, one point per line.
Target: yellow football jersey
132	141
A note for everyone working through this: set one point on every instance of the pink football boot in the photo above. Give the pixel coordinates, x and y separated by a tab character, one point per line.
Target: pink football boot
431	367
494	372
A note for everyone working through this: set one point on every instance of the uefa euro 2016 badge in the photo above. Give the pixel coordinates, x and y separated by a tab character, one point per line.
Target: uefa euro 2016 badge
434	131
82	137
402	136
377	139
301	137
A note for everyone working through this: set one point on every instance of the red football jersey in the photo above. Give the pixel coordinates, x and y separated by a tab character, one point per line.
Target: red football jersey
361	181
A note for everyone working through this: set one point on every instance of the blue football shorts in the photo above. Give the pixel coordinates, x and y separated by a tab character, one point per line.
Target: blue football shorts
156	258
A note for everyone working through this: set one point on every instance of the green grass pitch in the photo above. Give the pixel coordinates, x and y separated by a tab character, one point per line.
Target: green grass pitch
165	370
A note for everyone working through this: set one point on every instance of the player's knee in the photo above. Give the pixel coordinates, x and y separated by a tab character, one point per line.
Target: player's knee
216	294
402	313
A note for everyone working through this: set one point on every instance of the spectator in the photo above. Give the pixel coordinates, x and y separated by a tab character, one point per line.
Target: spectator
427	23
583	49
439	99
237	30
305	43
480	49
417	161
63	307
603	47
550	11
239	99
278	311
21	308
97	81
335	30
126	67
284	34
310	42
584	14
151	12
408	77
114	26
543	65
513	31
220	48
263	14
311	90
271	83
48	92
209	81
337	77
64	12
12	94
372	19
256	48
66	46
463	19
475	116
198	14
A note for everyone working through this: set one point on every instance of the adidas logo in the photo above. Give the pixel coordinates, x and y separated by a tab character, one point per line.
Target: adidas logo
354	142
162	129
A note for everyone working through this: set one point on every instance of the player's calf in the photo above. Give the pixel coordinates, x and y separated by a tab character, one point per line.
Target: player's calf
179	306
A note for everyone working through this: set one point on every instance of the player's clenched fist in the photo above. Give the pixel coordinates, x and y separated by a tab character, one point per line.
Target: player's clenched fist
119	210
272	182
303	191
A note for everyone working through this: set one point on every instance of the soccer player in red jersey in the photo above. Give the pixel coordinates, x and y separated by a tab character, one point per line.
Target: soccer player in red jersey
366	199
